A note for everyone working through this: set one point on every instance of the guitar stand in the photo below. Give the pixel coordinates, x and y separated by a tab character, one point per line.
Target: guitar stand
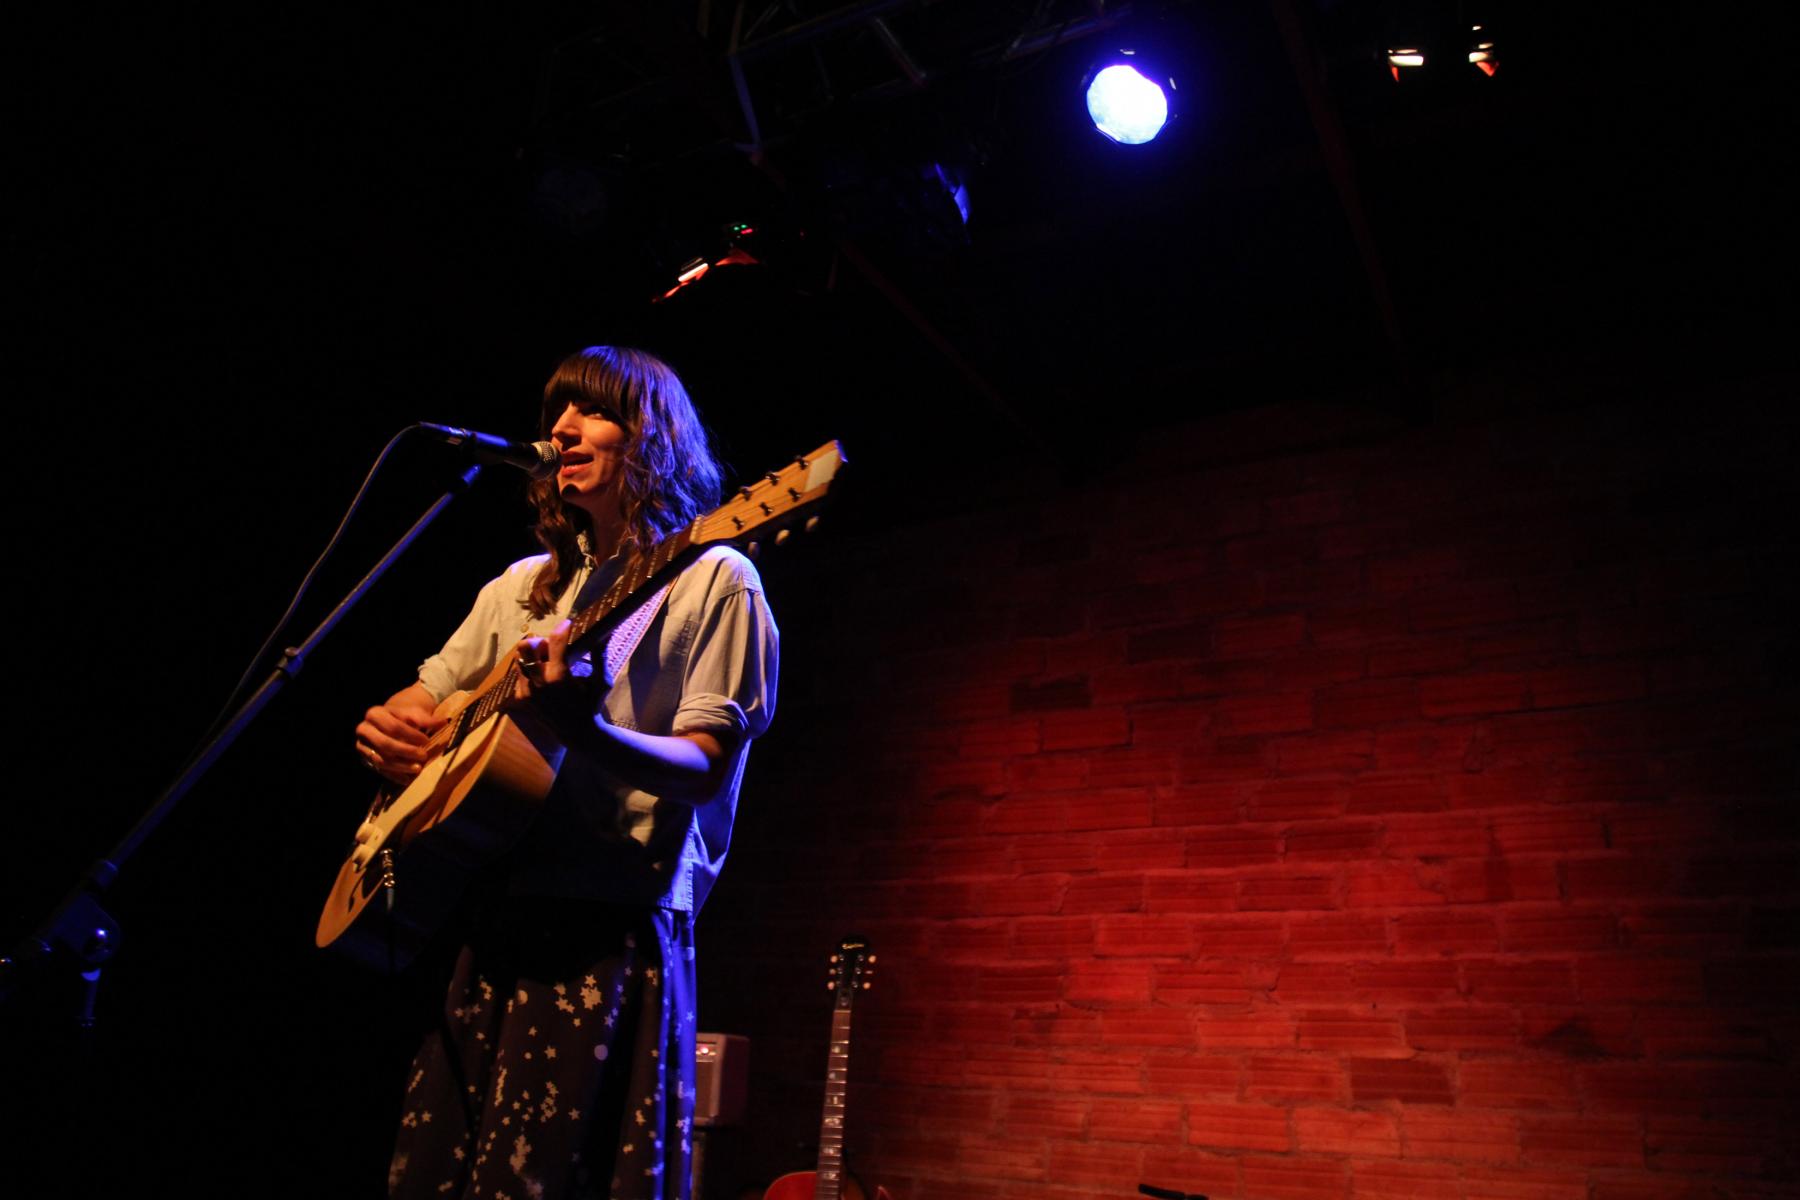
79	928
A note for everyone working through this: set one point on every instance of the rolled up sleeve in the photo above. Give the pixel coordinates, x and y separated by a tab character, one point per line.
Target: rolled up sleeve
729	685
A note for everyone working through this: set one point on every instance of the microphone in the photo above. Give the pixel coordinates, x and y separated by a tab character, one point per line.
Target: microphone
537	459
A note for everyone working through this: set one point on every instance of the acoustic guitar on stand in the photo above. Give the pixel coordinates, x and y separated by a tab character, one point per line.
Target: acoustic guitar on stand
487	770
851	968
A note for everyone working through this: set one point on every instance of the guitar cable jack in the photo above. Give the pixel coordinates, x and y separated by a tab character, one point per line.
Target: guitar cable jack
387	879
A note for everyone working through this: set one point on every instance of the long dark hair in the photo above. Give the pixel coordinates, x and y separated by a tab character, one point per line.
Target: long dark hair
668	476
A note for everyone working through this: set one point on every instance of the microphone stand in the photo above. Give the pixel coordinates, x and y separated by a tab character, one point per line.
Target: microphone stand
80	926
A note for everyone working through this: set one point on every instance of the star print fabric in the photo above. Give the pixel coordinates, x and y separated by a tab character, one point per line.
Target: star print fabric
563	1066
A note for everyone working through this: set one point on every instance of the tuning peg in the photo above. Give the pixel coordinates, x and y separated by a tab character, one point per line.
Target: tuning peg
871	958
744	492
867	986
782	536
812	523
754	549
831	985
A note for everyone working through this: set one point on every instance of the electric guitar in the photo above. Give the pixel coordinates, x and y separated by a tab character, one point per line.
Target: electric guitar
851	968
488	770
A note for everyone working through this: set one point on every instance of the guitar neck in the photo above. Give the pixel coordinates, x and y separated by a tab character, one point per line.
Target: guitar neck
640	575
830	1171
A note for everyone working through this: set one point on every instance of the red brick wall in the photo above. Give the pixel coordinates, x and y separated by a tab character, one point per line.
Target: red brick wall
1305	806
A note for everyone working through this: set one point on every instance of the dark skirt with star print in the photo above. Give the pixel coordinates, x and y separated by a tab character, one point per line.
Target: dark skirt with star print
563	1066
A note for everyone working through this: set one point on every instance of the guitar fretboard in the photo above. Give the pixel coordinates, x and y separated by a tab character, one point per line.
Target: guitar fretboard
830	1171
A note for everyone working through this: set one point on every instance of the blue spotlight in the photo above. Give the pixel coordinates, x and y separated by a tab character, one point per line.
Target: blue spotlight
1127	105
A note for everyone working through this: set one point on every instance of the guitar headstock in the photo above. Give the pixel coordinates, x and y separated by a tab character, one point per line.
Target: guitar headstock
852	969
778	500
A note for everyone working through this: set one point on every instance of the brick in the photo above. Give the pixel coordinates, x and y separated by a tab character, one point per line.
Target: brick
1238	937
1147	1027
1242	1126
1050	695
1272	712
1435	835
1464	1137
1366	704
1107	982
1136	683
1213	679
1350	1033
1353	624
1103	1164
1137	766
1334	840
1045	1116
1534	832
1103	810
1179	807
1295	1179
1303	753
1419	656
1243	637
983	1065
1405	1181
1295	1077
1106	1073
1023	895
1032	984
1209	849
1410	1081
973	940
1472	693
1404	571
1053	937
1312	983
991	1157
1180	1168
1190	640
1138	849
1103	894
1247	1031
1398	794
1492	879
1138	935
1589	1032
1193	1074
1290	800
1573	1141
1517	1085
1047	773
1388	885
1548	931
1464	1030
1025	813
1696	927
1288	893
1188	892
1499	1183
1338	936
1397	983
1445	933
1438	746
1167	724
1340	1131
1053	853
1536	982
1085	729
1211	983
1135	1120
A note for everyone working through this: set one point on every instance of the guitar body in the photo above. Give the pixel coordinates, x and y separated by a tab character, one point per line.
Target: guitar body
468	804
801	1185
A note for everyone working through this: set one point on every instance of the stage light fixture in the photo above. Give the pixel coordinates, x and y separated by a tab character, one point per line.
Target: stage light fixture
1482	51
1129	99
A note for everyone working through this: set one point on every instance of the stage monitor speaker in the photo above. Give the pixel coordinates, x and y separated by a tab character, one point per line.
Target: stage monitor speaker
721	1078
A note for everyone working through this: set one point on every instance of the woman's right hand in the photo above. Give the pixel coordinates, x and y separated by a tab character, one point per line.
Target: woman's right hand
391	737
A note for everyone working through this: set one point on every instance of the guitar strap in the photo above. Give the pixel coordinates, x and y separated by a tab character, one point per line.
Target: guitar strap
626	635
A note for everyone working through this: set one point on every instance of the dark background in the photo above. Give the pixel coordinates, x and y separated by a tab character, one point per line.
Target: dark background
245	251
